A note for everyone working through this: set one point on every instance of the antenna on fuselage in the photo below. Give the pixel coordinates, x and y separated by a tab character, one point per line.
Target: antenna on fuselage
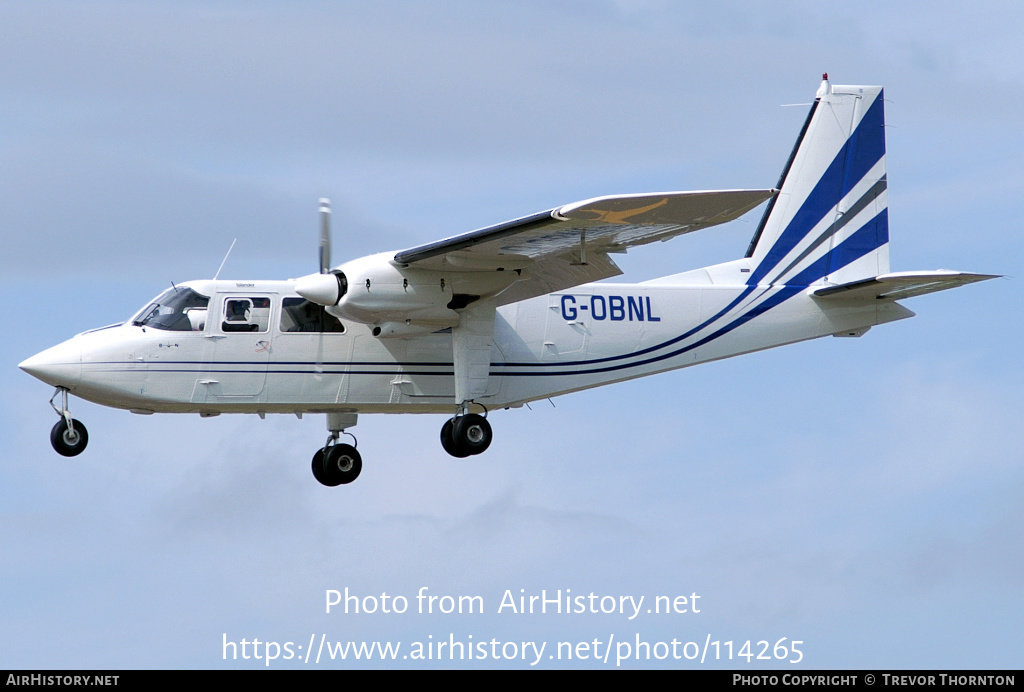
225	258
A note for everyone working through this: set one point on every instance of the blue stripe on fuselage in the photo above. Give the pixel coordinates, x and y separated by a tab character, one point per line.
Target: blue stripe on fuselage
858	242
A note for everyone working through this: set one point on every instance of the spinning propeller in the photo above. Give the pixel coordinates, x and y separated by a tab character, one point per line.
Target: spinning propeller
327	287
325	235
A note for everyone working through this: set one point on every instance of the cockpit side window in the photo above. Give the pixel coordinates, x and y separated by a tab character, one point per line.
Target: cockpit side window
244	314
300	315
178	309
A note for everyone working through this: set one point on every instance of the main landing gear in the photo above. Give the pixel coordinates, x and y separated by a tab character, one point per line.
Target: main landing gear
337	463
68	437
466	434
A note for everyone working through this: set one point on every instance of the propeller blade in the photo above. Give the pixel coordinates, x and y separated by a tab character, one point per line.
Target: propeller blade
325	235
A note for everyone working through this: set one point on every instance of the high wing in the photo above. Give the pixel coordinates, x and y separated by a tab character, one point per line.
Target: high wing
568	246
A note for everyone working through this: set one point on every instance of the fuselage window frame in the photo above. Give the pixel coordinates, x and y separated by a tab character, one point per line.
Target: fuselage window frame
300	316
245	314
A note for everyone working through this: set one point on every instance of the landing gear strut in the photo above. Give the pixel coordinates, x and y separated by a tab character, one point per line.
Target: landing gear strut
466	434
68	437
337	463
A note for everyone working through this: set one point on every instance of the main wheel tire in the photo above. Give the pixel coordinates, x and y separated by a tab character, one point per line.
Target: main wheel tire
448	441
342	464
472	433
68	444
318	469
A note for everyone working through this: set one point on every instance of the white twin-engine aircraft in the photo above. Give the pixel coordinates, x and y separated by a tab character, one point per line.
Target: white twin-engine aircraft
510	314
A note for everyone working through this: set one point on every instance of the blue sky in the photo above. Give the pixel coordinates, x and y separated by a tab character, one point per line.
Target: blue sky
860	495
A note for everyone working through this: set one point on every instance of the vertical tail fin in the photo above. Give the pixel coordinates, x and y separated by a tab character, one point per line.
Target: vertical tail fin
829	222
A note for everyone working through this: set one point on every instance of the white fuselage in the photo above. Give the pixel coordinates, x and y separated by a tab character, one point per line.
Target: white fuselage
562	342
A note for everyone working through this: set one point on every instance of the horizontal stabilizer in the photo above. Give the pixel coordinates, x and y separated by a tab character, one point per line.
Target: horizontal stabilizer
899	285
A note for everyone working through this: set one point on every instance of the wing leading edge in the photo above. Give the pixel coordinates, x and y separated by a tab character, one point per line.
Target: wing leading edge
569	245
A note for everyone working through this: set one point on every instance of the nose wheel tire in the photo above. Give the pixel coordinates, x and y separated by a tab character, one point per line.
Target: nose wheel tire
466	435
337	465
69	442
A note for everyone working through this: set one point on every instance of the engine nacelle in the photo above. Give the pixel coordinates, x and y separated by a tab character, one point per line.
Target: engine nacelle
400	301
372	290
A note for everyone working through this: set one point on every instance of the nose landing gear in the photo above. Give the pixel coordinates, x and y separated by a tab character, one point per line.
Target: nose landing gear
69	436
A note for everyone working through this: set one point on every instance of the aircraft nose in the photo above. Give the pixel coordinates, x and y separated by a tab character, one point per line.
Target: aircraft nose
60	366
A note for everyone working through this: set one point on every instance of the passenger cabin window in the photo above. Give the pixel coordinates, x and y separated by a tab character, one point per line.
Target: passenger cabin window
246	315
178	309
300	315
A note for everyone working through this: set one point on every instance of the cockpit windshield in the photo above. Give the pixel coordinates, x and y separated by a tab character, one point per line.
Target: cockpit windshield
178	309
